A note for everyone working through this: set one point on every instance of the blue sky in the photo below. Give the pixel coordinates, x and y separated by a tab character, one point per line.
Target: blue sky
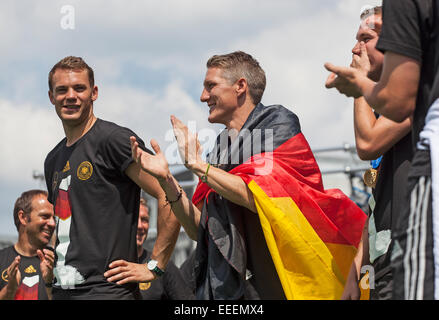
149	60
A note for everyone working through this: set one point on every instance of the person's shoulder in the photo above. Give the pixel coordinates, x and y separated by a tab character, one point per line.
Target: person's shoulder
108	128
280	110
7	253
109	125
277	114
55	150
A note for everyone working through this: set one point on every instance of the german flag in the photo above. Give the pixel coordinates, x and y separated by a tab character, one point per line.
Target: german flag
312	234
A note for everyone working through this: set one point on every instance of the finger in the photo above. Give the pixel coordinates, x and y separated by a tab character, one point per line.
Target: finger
127	280
13	268
40	255
332	68
363	49
178	125
133	147
15	263
136	152
118	263
155	146
330	81
49	256
118	276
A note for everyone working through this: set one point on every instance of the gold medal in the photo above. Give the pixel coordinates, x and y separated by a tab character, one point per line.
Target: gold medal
370	177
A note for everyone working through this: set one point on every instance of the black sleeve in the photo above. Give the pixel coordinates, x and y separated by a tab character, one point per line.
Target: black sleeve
48	178
401	31
5	262
117	149
174	285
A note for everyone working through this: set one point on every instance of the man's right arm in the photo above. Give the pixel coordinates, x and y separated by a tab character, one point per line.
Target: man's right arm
374	136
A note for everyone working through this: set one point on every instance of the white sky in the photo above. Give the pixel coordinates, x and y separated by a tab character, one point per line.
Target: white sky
149	60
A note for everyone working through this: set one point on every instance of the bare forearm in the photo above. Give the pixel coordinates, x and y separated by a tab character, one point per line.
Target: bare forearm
168	229
231	187
374	136
185	211
364	120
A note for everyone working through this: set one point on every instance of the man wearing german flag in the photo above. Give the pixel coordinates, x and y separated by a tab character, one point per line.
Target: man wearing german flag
265	227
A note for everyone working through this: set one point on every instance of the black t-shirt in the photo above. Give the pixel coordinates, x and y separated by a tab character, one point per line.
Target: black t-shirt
32	285
170	286
411	28
96	207
390	194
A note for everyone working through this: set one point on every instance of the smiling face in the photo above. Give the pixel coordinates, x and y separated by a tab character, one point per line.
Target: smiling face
72	96
40	223
220	95
369	33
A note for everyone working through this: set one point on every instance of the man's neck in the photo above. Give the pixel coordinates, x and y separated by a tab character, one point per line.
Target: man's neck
74	133
240	117
24	247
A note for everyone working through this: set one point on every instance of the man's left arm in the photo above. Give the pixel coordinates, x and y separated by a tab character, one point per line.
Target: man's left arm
168	227
118	153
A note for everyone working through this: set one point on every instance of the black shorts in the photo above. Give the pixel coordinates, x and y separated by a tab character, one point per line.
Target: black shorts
412	255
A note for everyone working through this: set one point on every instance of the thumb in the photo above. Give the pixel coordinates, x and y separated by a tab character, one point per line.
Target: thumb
155	146
363	49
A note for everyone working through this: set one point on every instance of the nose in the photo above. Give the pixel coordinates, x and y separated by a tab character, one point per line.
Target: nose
71	94
356	48
51	223
204	96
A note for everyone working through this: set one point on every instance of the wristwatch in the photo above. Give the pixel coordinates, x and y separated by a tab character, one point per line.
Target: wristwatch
152	266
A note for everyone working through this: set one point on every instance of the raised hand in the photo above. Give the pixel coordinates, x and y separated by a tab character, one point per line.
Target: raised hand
188	145
47	259
343	79
361	61
156	165
14	276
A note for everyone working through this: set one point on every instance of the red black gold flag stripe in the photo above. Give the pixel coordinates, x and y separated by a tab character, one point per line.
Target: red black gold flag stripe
312	234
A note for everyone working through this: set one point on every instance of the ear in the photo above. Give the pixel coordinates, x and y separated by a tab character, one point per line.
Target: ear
24	219
94	93
241	86
51	97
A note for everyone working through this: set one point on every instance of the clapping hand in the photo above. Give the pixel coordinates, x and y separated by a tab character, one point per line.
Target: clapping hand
188	145
47	258
156	165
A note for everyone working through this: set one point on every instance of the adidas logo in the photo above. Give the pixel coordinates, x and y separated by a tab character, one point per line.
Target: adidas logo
67	167
30	269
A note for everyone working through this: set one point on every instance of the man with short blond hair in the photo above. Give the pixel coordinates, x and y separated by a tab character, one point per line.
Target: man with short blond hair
251	212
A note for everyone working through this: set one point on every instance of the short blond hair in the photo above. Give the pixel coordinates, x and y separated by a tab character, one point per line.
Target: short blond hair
238	65
72	63
374	11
